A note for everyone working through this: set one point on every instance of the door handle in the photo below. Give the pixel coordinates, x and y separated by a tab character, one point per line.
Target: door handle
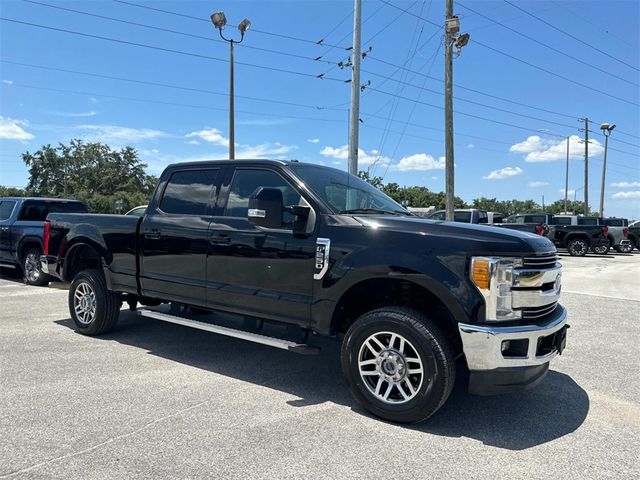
220	240
153	234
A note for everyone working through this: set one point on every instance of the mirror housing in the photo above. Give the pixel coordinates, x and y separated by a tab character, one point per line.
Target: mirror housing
265	207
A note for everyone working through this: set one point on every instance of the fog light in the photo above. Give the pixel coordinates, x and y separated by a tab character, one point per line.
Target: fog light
505	345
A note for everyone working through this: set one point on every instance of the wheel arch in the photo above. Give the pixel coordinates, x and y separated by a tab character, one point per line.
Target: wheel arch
80	256
25	244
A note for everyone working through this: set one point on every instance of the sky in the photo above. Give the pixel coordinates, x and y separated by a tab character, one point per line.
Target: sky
521	85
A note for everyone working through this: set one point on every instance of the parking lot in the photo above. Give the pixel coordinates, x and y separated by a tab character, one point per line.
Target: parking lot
155	400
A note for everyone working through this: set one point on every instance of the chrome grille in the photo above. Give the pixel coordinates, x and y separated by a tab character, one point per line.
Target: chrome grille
537	312
545	261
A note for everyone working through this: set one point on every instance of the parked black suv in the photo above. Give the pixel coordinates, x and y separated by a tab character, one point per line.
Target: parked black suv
315	247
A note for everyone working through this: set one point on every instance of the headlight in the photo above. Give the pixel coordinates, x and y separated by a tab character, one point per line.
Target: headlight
494	277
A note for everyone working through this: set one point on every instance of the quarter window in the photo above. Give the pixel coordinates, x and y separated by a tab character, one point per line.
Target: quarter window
188	192
6	208
246	181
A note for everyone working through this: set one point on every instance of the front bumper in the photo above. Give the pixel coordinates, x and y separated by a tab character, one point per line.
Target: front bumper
494	370
48	264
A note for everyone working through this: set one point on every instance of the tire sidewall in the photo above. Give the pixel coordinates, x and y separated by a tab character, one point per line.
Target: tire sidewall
429	397
42	277
88	277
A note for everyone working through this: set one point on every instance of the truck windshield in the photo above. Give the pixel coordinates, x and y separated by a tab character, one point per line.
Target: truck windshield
346	193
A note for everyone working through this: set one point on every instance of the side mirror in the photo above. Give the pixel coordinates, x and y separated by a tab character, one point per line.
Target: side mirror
265	207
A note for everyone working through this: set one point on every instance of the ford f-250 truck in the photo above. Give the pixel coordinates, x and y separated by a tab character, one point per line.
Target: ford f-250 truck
312	246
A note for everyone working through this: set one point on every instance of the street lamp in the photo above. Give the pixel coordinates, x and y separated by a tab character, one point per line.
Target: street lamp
219	21
606	131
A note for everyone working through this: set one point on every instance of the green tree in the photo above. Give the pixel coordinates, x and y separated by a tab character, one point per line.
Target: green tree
91	172
375	181
12	192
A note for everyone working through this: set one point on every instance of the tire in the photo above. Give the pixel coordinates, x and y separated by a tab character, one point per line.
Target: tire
409	397
628	248
32	269
601	249
93	308
578	247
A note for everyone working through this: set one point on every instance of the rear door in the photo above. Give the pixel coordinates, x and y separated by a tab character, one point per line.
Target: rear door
174	236
255	270
6	209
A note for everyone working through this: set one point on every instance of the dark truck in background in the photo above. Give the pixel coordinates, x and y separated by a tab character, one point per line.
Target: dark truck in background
482	217
634	234
576	238
21	232
301	245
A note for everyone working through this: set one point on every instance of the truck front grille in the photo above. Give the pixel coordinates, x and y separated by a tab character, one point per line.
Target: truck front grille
538	312
545	261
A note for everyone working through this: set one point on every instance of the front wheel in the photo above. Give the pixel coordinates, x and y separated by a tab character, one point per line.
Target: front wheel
626	248
578	247
93	308
601	249
399	365
32	270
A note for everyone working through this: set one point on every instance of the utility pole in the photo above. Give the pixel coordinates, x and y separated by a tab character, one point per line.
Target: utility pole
450	30
354	119
566	180
586	165
543	203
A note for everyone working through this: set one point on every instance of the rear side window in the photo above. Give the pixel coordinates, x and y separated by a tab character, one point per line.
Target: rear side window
188	192
563	220
535	219
437	216
463	217
6	207
37	210
587	221
483	217
615	222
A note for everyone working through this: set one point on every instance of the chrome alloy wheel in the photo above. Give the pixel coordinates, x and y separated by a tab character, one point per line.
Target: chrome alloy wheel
84	303
32	267
390	367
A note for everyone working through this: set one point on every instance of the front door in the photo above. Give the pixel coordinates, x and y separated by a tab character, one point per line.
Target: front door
174	237
254	270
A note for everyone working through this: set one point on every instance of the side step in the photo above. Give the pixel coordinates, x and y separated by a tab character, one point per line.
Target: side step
301	348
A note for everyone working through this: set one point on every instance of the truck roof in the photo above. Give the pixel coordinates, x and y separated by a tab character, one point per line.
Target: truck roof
199	163
45	199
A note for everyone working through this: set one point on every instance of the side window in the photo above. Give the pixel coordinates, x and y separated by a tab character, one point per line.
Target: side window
6	207
563	220
437	216
482	217
247	181
519	219
188	192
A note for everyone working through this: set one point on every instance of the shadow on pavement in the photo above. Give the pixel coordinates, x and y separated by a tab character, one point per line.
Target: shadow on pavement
555	408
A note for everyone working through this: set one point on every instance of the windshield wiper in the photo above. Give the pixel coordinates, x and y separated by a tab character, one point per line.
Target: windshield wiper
374	210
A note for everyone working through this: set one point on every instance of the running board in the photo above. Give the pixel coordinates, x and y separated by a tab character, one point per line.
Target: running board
301	348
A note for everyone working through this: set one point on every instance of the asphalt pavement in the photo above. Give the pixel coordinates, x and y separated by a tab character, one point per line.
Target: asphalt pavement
156	400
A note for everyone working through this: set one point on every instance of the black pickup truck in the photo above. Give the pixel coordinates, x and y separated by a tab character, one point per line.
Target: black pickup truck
21	232
310	246
577	239
482	217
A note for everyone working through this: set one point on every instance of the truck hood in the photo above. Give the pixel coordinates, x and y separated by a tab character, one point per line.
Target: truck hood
473	239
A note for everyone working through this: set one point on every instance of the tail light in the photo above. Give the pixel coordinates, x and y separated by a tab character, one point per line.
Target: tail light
45	237
625	232
539	229
605	231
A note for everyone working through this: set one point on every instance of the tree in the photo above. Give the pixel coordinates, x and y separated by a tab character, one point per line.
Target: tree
91	172
12	192
375	181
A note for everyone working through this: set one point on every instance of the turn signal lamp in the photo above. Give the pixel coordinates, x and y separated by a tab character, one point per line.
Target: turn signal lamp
481	273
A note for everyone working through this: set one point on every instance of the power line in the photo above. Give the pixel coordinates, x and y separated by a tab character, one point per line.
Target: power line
163	49
575	82
264	32
517	32
176	32
569	35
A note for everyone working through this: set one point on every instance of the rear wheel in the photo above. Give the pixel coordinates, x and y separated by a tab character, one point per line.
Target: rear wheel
601	249
626	248
93	308
398	364
578	247
31	268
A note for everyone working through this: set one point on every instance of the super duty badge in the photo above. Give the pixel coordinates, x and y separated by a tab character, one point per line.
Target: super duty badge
323	245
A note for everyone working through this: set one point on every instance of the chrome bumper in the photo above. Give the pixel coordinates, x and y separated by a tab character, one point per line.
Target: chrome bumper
482	344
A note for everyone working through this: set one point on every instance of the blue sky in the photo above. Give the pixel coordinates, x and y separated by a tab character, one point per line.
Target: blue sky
504	149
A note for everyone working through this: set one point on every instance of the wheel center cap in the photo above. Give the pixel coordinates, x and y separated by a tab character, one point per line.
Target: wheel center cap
391	365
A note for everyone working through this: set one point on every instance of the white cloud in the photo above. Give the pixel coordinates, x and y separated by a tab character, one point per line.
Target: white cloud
538	149
625	184
434	178
471	145
264	150
91	113
313	140
569	192
632	194
537	184
7	82
503	173
106	133
420	161
211	135
364	158
192	142
11	129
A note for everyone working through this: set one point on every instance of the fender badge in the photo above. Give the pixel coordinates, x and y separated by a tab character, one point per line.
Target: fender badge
323	246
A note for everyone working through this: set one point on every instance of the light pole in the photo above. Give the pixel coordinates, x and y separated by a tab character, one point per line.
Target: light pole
606	131
219	21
